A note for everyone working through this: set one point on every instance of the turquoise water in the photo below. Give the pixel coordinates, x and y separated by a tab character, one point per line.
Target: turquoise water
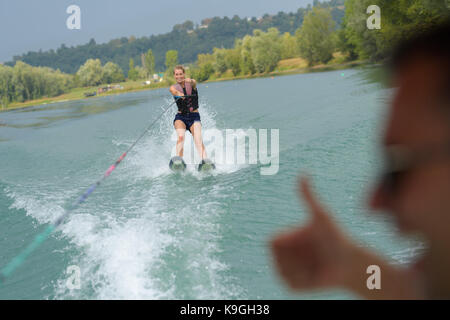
146	233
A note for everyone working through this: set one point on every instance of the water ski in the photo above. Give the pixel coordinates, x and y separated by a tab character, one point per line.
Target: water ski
177	164
206	165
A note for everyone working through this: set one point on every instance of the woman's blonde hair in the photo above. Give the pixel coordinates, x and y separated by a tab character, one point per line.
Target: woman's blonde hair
179	67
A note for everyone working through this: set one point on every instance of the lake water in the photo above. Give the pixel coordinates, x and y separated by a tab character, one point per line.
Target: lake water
147	233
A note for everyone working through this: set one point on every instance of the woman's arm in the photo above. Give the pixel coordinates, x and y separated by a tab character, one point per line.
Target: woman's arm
192	82
175	92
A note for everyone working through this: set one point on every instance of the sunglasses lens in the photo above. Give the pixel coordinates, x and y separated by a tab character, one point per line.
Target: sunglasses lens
391	181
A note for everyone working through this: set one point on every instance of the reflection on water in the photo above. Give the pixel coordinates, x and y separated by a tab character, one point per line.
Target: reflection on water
375	74
47	115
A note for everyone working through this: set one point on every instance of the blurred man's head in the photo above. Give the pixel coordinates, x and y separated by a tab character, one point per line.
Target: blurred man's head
416	189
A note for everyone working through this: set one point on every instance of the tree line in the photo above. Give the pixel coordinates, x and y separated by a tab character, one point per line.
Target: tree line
261	52
24	82
187	38
315	40
399	20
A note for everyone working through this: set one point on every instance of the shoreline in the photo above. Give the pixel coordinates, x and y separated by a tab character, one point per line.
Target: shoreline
66	96
318	68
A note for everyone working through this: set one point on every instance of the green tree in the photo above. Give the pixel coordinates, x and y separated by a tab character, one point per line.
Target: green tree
289	48
356	37
132	72
203	73
344	45
185	26
111	73
315	38
220	62
149	60
399	20
203	59
205	67
90	73
141	72
246	61
233	59
6	88
265	50
24	82
171	60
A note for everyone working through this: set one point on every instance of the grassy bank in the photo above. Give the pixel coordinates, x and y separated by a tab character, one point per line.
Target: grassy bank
290	66
78	94
284	67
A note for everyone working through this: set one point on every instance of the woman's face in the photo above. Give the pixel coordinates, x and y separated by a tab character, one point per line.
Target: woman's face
179	75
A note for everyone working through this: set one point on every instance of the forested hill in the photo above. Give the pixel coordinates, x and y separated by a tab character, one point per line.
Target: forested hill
188	39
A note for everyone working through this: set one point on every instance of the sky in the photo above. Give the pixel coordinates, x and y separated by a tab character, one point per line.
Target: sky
32	25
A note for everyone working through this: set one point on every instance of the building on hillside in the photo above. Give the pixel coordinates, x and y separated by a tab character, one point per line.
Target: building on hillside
158	77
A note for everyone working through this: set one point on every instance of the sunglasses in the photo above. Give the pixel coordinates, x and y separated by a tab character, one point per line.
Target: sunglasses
401	160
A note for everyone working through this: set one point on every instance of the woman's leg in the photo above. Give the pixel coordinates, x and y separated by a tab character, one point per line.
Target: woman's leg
180	127
196	130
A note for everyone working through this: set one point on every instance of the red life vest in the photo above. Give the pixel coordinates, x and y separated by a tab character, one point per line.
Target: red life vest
187	104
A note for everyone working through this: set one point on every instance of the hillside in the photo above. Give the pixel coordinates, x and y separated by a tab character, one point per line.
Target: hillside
188	39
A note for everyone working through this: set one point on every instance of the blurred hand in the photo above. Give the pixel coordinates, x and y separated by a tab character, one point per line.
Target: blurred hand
317	255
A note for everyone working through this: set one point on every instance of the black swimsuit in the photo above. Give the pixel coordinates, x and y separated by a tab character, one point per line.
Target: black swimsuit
188	119
185	108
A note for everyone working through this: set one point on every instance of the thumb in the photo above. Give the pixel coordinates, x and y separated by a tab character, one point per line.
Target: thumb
316	210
